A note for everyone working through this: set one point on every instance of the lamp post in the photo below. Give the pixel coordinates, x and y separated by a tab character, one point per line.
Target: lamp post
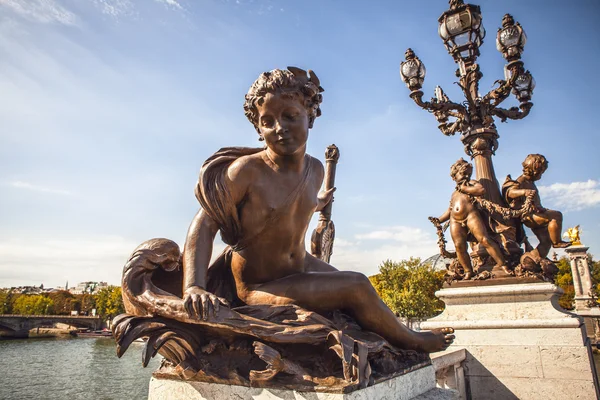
462	31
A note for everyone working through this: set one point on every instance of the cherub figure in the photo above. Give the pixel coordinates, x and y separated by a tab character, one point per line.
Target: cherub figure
262	200
466	222
546	224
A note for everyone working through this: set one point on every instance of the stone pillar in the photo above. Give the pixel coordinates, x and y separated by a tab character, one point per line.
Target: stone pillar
582	279
519	343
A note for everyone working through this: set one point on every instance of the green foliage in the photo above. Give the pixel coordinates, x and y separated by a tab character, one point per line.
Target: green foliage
32	304
109	302
595	270
5	301
62	302
564	280
408	288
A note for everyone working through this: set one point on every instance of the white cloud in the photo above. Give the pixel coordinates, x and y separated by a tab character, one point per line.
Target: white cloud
397	233
172	3
37	188
370	249
115	8
572	196
26	260
44	11
52	261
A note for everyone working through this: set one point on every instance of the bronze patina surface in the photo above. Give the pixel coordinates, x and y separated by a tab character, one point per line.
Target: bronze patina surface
266	312
480	214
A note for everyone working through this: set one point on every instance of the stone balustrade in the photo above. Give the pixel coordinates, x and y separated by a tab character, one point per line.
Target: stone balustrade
449	372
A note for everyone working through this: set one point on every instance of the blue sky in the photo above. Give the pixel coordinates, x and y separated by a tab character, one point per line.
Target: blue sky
109	107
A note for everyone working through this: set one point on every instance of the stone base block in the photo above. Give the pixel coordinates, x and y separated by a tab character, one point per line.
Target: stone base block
408	386
520	344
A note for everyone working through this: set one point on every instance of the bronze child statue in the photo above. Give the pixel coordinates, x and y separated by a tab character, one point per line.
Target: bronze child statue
267	199
265	290
466	222
546	224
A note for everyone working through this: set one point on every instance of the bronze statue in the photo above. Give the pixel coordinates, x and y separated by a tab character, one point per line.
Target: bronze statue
321	241
573	234
546	224
265	285
466	222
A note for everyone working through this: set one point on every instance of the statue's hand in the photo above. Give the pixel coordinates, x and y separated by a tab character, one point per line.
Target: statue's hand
530	192
201	304
324	197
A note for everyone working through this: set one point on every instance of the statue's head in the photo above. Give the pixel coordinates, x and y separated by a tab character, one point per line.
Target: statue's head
534	166
294	83
461	171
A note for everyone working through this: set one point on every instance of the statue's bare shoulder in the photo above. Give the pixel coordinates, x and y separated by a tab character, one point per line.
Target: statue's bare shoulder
317	166
242	173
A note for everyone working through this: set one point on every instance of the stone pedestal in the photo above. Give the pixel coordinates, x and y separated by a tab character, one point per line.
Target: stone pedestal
520	343
582	279
418	385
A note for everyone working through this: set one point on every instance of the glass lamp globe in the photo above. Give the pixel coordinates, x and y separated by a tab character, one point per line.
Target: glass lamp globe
462	31
510	39
524	85
412	71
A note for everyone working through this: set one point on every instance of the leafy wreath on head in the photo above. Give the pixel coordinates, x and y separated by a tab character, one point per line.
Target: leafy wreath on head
292	81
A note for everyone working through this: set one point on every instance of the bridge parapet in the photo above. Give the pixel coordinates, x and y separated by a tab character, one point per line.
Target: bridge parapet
22	323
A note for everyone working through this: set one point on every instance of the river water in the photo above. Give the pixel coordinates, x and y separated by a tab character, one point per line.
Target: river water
77	368
72	368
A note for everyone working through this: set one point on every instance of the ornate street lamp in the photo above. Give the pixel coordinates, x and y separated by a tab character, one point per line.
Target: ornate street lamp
461	29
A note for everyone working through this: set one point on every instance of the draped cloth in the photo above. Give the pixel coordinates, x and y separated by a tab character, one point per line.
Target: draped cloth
216	200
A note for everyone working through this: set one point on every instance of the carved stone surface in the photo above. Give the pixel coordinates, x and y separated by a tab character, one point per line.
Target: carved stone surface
520	344
403	387
582	279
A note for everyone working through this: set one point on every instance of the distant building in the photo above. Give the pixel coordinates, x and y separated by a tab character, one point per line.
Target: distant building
28	289
88	287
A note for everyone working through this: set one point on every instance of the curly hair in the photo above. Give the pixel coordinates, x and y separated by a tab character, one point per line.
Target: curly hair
533	162
457	167
294	82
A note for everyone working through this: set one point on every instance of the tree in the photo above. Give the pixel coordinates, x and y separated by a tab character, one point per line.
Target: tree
408	288
564	280
109	302
33	304
88	302
5	301
62	302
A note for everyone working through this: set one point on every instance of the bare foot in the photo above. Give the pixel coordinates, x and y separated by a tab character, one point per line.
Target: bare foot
435	340
468	275
507	270
561	245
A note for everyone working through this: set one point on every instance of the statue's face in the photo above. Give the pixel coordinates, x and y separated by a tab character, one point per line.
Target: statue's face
464	173
537	173
283	123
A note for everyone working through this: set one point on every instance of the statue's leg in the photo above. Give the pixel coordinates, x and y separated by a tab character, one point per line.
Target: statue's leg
353	293
555	228
478	229
459	237
543	248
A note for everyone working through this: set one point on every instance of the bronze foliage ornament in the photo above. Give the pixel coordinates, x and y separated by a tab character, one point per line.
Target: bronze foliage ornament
266	312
